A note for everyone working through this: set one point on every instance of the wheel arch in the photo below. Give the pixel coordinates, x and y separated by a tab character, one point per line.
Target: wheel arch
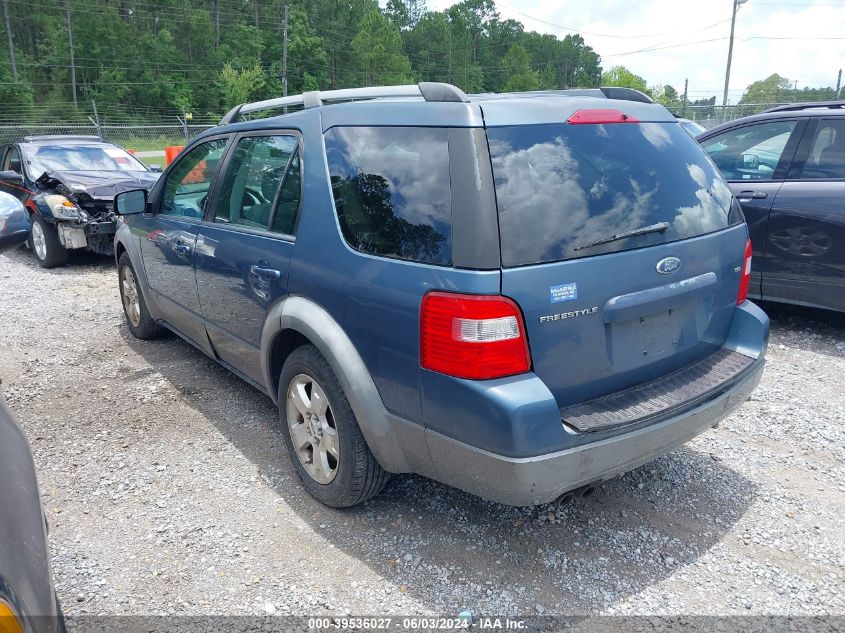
296	321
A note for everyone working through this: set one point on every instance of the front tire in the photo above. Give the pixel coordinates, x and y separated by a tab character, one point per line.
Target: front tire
323	438
45	244
138	318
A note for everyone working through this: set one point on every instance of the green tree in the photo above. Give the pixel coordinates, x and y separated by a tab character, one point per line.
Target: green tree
239	85
772	89
474	17
621	77
666	95
520	76
405	14
377	50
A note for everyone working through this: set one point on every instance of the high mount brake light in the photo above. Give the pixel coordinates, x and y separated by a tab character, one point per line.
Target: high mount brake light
596	117
745	280
472	336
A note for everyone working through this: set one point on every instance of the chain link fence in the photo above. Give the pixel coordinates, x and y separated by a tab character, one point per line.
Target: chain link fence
712	115
141	138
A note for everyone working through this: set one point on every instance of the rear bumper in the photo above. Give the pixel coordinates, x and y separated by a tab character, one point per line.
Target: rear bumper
534	480
542	476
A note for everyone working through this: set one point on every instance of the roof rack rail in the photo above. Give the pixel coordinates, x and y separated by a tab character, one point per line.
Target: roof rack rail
795	107
428	90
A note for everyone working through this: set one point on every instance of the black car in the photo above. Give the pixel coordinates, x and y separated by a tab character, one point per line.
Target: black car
67	184
786	167
27	597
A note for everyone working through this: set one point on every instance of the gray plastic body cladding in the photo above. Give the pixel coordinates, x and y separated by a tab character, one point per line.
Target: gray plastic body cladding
535	480
397	444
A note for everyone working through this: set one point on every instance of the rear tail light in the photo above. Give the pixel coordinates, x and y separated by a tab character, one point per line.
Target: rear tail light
595	117
746	275
472	336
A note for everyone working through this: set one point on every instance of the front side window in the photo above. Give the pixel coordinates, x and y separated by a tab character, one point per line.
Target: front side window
253	180
189	182
827	158
392	192
751	152
565	191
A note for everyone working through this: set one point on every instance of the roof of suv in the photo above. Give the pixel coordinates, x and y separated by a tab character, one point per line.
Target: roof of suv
454	108
811	109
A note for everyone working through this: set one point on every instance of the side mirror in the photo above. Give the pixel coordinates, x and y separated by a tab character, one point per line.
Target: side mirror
131	202
11	176
155	168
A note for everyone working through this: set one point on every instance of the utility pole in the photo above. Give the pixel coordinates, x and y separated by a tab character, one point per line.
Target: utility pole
70	47
736	4
216	23
285	56
12	45
838	84
684	104
449	26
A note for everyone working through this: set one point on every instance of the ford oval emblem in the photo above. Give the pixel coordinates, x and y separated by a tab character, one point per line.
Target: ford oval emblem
668	265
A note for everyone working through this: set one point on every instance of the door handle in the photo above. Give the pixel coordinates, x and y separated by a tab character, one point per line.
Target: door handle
265	273
749	195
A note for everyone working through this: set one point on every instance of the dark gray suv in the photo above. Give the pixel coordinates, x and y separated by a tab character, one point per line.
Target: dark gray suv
786	167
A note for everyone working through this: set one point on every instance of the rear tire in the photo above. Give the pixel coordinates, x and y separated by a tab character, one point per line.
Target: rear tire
323	438
45	244
138	318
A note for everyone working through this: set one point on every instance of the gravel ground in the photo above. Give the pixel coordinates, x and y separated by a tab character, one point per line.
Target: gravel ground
168	490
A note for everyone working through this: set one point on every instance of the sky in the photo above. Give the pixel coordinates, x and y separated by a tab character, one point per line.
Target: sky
619	30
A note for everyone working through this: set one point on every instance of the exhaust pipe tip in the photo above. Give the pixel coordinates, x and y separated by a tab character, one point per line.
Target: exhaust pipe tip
581	492
586	491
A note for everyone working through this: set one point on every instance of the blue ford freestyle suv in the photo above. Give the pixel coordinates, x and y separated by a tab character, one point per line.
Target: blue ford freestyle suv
517	295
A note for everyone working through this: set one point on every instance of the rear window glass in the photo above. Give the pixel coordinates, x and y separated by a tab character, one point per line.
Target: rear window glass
391	191
562	187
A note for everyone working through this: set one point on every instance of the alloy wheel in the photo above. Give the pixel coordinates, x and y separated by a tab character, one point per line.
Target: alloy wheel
129	295
39	241
312	428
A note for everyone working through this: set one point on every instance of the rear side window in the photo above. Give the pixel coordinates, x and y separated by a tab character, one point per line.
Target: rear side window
391	191
561	188
827	158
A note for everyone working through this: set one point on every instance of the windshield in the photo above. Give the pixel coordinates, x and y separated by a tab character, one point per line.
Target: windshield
560	187
78	157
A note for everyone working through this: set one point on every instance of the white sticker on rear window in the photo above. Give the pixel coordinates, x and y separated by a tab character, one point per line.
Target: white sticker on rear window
563	292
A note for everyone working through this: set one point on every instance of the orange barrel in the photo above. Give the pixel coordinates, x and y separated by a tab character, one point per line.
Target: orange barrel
132	150
171	152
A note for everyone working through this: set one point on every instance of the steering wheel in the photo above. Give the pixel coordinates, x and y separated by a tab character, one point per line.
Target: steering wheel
252	197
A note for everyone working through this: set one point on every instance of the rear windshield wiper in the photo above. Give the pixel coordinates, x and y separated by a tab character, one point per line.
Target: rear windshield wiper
644	230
